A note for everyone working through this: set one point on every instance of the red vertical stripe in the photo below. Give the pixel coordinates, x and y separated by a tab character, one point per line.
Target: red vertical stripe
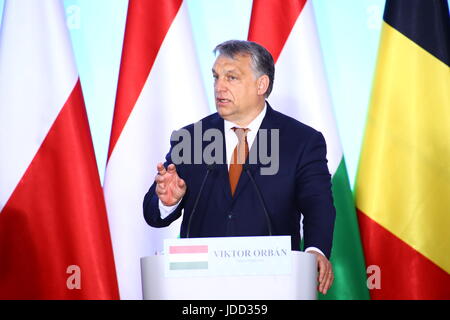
405	272
146	27
272	21
188	249
56	217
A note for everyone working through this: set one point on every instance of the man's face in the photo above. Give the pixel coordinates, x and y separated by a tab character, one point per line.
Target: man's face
235	88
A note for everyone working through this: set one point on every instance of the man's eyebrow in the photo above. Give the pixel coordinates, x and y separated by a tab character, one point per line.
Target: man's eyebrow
234	70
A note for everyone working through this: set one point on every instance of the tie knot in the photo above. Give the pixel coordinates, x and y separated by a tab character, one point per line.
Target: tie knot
240	132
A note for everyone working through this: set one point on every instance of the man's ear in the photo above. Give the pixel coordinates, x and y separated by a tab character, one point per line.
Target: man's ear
263	84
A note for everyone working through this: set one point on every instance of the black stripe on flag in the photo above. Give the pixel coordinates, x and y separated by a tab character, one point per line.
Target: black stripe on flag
426	22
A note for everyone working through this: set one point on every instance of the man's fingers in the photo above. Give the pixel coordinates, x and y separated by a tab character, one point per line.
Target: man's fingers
160	168
160	190
321	283
181	183
326	277
325	274
159	179
328	281
171	168
322	269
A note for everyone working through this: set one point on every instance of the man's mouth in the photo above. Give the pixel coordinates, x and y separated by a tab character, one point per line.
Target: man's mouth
222	101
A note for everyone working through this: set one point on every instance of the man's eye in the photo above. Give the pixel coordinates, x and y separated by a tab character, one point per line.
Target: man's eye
232	78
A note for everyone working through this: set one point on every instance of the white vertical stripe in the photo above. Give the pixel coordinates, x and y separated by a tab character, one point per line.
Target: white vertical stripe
172	97
37	75
188	257
300	87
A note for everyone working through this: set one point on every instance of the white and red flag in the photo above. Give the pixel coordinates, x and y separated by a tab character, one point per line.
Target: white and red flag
288	30
54	236
159	90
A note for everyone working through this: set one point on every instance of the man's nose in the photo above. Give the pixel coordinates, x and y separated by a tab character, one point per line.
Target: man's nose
219	85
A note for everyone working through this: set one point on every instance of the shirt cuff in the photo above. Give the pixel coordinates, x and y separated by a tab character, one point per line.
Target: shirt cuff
309	249
165	211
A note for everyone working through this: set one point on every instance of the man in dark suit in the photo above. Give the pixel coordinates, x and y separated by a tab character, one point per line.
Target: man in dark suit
238	196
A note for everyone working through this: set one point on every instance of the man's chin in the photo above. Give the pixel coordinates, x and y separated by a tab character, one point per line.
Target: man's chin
223	112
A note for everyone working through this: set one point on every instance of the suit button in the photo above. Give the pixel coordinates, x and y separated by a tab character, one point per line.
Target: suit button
230	215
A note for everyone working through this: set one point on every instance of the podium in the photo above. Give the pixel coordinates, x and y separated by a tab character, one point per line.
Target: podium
299	282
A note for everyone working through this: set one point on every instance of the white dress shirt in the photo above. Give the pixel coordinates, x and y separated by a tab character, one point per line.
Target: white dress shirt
231	139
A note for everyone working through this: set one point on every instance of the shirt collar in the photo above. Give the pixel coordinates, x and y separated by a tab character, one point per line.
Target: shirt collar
253	126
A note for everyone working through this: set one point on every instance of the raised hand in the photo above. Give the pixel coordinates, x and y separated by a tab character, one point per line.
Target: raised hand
170	188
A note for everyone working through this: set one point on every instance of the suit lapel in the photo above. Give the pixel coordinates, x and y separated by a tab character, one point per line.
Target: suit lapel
223	178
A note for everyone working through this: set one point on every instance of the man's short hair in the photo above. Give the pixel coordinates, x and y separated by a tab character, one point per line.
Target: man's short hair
262	60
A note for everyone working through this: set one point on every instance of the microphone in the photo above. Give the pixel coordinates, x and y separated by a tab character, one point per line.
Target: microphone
248	171
209	168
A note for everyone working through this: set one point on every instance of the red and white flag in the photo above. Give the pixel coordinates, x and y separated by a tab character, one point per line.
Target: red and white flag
159	90
54	236
288	30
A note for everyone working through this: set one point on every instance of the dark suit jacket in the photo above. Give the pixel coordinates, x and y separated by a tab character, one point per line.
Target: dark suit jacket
301	186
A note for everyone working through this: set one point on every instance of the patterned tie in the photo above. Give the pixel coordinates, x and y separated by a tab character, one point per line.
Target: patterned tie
238	158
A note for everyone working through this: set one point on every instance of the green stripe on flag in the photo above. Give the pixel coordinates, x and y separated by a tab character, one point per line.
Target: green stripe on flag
188	265
347	254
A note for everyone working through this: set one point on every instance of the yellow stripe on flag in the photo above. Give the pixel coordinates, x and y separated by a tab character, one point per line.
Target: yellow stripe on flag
404	176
